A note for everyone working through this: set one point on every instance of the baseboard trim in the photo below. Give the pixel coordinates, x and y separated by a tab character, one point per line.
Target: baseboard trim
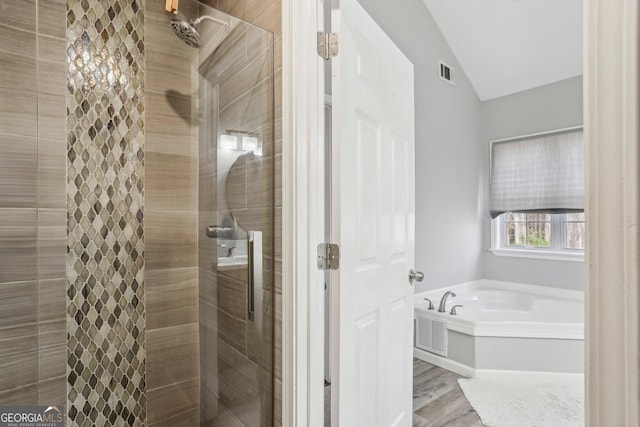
443	362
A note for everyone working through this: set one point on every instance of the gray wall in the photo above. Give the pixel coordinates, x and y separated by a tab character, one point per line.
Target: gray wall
554	106
453	130
449	173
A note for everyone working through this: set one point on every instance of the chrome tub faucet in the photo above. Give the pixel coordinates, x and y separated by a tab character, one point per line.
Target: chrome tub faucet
443	301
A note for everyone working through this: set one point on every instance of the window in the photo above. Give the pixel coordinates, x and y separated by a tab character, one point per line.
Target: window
574	231
543	172
536	235
537	195
524	230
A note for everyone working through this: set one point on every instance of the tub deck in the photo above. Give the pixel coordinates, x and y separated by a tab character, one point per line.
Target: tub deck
506	309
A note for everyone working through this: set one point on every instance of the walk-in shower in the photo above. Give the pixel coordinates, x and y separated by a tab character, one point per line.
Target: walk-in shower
137	214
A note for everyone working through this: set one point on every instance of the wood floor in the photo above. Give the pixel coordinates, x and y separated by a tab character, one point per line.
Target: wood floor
438	400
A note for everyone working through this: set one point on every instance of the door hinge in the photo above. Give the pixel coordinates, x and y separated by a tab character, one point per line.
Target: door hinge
328	256
328	45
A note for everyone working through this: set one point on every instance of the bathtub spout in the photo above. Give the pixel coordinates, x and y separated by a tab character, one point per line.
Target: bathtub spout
443	301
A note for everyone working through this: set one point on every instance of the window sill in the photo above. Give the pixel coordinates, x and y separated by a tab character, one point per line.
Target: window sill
550	255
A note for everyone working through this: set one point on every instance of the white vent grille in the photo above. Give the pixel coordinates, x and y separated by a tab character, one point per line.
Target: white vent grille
431	335
438	334
447	73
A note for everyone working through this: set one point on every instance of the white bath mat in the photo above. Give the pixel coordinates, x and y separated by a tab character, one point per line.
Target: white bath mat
527	401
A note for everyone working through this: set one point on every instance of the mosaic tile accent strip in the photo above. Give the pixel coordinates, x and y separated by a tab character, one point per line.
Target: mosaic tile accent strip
105	189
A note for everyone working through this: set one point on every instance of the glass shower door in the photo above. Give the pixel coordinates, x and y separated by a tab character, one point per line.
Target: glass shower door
236	224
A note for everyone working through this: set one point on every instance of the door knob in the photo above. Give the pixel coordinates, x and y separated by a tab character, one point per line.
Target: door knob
415	275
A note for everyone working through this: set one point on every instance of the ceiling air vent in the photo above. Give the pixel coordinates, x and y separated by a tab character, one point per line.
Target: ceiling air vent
447	73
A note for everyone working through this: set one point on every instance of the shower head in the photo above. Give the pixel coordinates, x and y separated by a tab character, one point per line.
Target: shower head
188	31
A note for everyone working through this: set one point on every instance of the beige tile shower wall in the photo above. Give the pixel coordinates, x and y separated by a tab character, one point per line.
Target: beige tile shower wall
173	396
32	202
267	14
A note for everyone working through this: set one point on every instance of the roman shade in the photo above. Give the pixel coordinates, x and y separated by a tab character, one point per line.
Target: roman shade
542	174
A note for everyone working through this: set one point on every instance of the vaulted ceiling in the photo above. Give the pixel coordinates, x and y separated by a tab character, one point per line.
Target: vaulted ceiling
507	46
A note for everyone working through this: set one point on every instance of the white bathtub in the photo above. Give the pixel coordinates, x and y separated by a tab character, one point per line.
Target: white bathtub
506	326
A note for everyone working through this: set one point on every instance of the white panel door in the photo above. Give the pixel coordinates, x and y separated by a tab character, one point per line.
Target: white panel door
373	218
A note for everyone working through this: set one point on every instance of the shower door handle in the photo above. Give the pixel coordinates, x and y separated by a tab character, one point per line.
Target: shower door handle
254	269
